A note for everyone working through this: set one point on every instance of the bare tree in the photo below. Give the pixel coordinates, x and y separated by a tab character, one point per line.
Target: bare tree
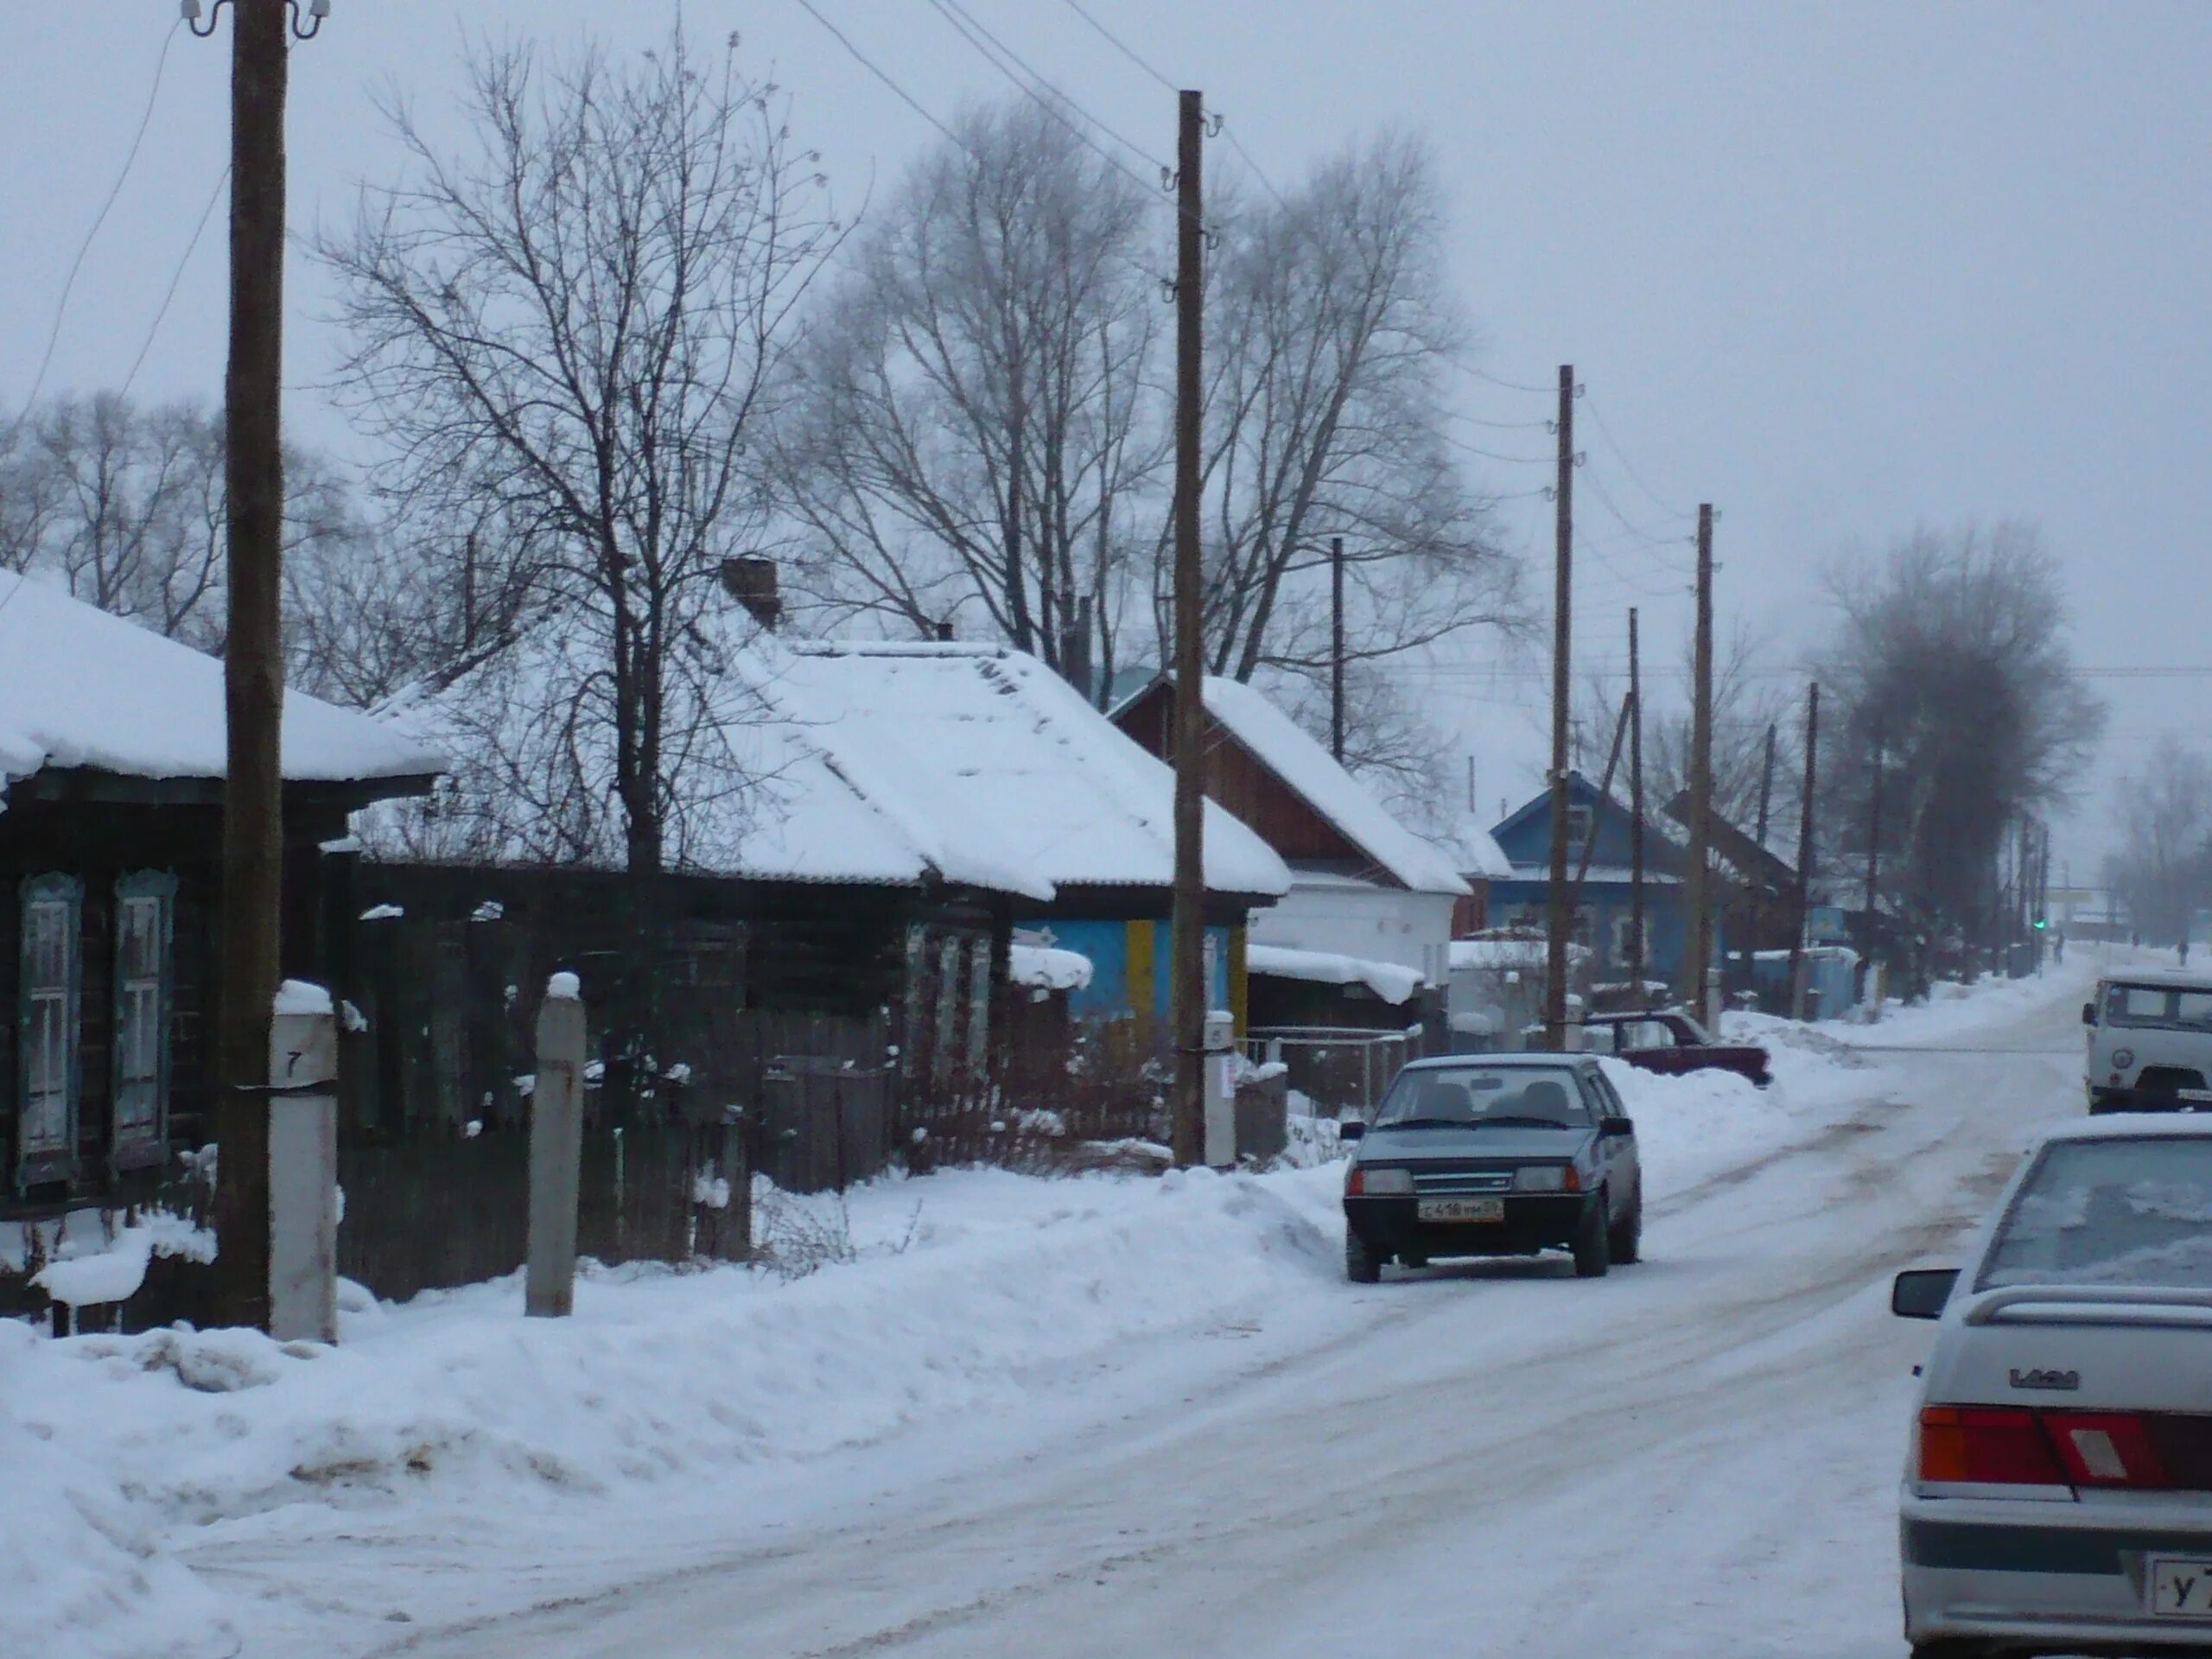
1951	662
579	323
2163	870
1333	337
980	424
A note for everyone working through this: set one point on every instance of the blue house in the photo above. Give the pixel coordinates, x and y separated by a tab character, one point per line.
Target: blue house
1600	824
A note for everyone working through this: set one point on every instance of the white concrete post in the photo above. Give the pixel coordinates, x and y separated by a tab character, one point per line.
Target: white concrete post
1221	1090
303	1165
556	1139
1711	1011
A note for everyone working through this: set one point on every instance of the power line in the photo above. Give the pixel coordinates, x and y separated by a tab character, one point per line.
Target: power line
176	277
69	283
954	14
1499	426
1258	172
1120	44
1629	467
1492	454
1512	386
861	58
1655	538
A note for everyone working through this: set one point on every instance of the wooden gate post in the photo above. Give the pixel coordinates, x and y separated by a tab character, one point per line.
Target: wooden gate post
556	1128
302	1165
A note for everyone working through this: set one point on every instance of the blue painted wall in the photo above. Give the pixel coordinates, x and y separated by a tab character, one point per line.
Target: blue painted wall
1107	945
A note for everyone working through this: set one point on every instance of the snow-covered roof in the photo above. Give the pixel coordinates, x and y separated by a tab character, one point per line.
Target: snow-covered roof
1475	852
1605	875
995	771
880	764
1044	967
1388	980
1279	744
81	688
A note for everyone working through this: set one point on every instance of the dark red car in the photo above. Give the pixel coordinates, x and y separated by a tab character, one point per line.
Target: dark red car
1671	1044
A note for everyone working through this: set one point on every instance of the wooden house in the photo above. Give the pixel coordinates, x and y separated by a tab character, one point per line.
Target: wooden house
111	758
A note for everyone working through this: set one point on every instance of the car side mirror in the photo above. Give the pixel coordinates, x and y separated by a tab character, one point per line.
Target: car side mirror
1921	1293
1616	1126
1351	1130
2089	1013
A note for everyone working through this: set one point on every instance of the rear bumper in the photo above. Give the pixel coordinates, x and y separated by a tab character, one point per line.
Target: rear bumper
2042	1582
1392	1227
2103	1098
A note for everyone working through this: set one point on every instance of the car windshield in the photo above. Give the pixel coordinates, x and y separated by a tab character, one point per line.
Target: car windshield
1538	1096
2159	1007
2136	1210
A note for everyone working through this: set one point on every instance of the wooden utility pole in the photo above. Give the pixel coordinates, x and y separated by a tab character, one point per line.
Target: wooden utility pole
1635	815
1559	916
1766	785
1697	921
1188	954
253	665
1805	854
1336	648
1874	837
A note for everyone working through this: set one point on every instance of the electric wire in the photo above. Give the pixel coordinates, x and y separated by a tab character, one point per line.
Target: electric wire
862	58
946	9
69	283
1655	538
1119	44
176	277
953	16
1510	385
1629	467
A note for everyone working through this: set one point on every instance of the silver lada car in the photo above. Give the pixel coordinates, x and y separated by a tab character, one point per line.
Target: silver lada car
2057	1497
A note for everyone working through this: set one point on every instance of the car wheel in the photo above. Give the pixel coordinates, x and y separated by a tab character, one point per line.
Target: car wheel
1625	1241
1592	1250
1362	1265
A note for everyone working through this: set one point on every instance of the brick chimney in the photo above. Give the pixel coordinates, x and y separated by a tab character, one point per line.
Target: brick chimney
750	580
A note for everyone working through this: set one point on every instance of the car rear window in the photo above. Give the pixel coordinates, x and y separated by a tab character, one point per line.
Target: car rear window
2133	1210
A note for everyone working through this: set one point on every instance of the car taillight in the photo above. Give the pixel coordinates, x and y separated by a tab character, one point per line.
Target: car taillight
1356	1182
2103	1448
1994	1446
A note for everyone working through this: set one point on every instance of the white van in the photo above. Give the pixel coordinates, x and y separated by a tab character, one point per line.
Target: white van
2151	1042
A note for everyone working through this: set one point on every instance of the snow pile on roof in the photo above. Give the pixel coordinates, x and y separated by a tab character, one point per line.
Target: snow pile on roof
1042	967
874	763
1279	743
991	768
1475	852
81	688
1388	980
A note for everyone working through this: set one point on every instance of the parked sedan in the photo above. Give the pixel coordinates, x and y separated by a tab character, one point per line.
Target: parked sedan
1671	1043
1494	1155
2058	1494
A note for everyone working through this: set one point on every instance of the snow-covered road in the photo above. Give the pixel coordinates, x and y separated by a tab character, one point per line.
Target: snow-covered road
1695	1456
1105	1416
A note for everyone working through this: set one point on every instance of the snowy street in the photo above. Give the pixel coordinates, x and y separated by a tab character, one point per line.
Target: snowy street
1697	1452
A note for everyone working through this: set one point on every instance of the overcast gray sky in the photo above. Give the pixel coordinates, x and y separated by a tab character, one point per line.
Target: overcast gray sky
1838	268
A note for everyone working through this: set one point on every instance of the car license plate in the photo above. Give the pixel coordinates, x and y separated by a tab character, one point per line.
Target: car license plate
1462	1209
2181	1589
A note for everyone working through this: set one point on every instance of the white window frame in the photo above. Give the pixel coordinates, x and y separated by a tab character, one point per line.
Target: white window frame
49	1033
144	995
1583	817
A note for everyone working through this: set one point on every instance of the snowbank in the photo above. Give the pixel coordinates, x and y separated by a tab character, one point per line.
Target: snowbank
963	1284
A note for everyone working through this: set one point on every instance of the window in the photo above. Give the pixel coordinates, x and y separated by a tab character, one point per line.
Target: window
144	909
1580	821
46	1139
